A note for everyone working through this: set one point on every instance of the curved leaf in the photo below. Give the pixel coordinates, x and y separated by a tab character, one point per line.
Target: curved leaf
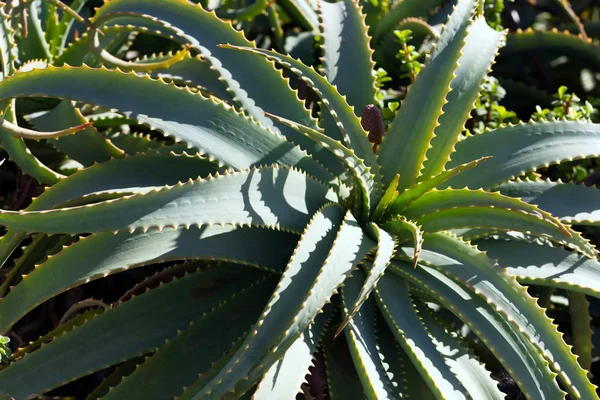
179	361
87	146
461	208
554	42
328	251
107	254
470	372
360	335
542	265
200	122
283	198
472	268
245	75
518	355
346	42
519	149
482	43
404	322
401	10
386	247
362	173
128	330
286	376
410	133
352	131
571	203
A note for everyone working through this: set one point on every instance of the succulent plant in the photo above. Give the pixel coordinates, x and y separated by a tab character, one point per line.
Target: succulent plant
278	211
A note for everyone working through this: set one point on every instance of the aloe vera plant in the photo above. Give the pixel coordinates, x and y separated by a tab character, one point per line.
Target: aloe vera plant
417	229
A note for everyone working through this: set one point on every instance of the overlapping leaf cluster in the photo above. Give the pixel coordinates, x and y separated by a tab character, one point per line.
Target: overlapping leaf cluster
431	228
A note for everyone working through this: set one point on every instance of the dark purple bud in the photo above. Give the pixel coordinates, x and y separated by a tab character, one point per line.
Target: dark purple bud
371	120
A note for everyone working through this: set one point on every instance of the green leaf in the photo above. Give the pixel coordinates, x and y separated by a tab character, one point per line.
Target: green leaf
342	378
397	367
137	174
195	72
361	172
401	10
360	335
87	146
107	254
408	196
447	209
470	372
127	331
571	203
410	133
8	47
519	149
180	361
245	75
554	42
200	122
403	228
78	52
345	43
518	355
286	376
58	42
396	306
542	265
482	43
302	13
32	46
283	198
474	269
581	330
20	154
388	198
386	247
352	131
328	251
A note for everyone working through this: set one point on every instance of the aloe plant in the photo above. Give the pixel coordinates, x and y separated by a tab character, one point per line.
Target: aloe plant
418	228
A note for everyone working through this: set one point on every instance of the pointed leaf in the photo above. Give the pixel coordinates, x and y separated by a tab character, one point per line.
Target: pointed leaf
404	322
474	269
409	135
346	42
571	203
286	376
107	254
400	226
340	110
470	372
87	146
386	247
519	149
342	378
410	195
451	209
327	252
482	44
360	171
522	360
360	335
246	76
401	10
131	327
200	122
284	198
534	264
178	362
